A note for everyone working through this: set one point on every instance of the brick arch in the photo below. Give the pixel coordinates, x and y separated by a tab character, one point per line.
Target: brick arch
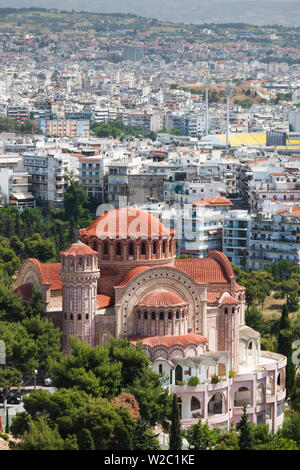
167	279
30	274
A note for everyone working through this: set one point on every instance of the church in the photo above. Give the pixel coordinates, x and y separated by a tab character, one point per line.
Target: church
121	277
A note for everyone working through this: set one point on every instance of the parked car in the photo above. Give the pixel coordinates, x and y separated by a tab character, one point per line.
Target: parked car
13	398
47	382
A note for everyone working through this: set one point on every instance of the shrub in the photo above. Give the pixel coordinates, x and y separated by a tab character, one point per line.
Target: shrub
193	381
180	382
215	379
4	436
231	374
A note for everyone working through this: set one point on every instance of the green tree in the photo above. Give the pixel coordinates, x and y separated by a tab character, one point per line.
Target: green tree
175	430
143	437
85	440
201	437
41	436
246	438
285	348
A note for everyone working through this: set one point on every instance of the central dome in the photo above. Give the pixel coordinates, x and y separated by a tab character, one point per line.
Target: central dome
127	223
162	298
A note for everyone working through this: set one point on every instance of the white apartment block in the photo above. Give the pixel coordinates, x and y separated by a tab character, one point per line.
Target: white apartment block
14	188
47	171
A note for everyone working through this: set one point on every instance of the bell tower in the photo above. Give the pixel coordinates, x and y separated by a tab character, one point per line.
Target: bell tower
79	274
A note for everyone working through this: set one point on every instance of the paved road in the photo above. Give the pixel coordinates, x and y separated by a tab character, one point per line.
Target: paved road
13	409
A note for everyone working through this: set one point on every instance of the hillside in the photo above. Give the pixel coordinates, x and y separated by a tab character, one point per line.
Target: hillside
242	94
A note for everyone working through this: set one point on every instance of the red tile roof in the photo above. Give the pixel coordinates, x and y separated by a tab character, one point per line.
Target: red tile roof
169	341
103	301
214	201
49	273
203	270
126	223
78	248
227	299
162	298
132	273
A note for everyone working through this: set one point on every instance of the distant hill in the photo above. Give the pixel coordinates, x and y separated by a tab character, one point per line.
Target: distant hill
259	12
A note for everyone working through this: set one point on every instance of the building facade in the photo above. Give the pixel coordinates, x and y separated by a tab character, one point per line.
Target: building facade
122	278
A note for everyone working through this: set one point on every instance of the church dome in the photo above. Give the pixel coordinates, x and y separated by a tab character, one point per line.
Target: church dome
127	223
162	298
78	248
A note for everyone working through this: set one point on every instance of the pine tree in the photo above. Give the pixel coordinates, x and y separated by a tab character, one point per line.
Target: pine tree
246	438
285	348
85	440
175	431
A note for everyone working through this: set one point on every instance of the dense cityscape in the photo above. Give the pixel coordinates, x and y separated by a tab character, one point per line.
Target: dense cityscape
149	233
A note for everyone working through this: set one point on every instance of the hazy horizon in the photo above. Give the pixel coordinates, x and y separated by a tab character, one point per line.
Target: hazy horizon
258	12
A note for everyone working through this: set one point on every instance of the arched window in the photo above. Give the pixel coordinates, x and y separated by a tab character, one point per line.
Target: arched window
95	245
164	247
178	374
105	248
131	249
145	315
169	315
139	314
195	404
80	263
177	315
152	315
154	248
160	369
118	249
161	315
143	248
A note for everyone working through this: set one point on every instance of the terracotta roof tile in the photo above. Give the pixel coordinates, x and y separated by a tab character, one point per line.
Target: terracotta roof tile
103	301
78	248
127	223
203	270
169	341
162	298
227	299
214	201
49	273
132	273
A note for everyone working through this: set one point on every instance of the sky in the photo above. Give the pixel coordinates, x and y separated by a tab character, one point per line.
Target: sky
196	11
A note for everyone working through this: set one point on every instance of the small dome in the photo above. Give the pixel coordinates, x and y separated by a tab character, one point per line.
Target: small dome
77	249
162	298
127	223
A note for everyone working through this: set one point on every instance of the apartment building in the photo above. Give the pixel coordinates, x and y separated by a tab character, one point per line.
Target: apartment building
65	128
91	175
47	171
118	178
236	237
14	188
202	226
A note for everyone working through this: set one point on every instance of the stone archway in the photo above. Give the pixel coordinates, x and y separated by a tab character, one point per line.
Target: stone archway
168	278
